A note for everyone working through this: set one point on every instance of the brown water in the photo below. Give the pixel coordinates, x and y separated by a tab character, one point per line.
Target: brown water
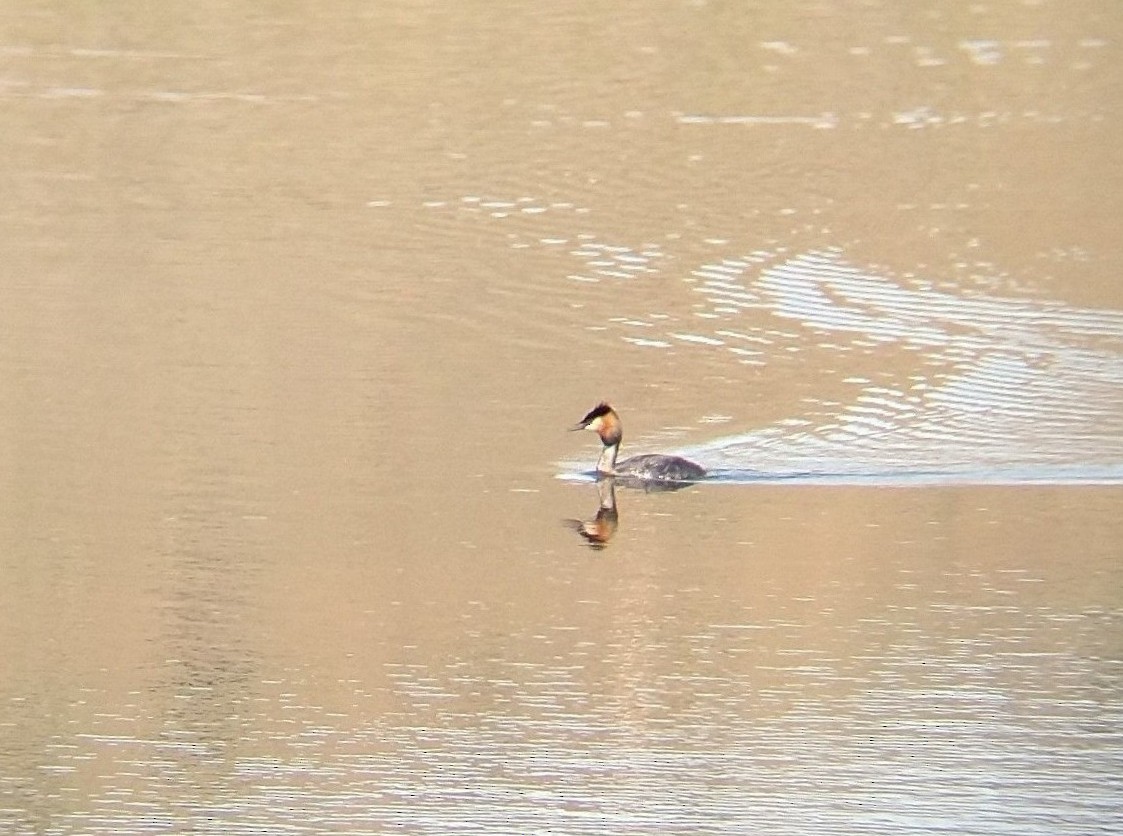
298	302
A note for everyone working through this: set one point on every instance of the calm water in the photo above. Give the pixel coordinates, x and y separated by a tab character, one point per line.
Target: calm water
298	304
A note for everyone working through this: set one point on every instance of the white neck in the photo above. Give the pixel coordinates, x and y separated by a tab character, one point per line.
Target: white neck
607	462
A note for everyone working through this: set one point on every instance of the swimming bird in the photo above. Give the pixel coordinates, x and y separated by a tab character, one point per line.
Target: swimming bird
651	467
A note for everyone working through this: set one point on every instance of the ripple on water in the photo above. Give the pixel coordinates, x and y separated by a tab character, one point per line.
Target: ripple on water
907	731
1010	389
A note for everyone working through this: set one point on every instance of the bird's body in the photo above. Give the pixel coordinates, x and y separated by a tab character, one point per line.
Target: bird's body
661	468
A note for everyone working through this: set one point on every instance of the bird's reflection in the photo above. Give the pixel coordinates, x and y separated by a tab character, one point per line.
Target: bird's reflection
601	528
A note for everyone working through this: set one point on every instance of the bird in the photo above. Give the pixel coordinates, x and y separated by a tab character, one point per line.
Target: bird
648	468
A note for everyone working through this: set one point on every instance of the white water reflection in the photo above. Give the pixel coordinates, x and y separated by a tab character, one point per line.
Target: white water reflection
1001	389
910	732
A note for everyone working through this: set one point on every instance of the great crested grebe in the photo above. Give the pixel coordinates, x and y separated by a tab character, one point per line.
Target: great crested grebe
651	467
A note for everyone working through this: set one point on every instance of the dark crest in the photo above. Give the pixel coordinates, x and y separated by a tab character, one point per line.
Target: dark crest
596	412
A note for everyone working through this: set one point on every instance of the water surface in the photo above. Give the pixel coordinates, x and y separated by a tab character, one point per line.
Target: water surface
298	307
